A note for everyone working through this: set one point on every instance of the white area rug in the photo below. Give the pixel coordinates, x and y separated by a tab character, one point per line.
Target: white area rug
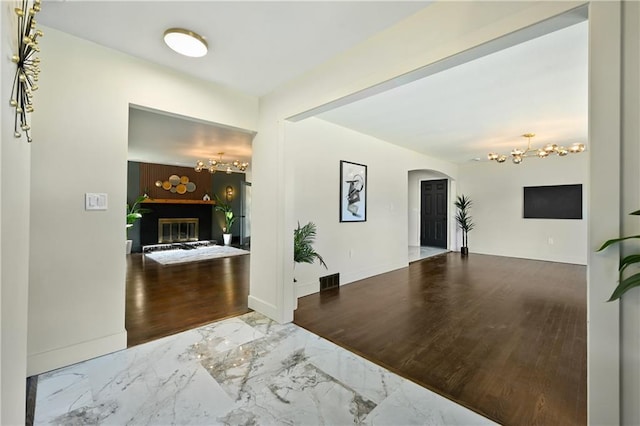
170	257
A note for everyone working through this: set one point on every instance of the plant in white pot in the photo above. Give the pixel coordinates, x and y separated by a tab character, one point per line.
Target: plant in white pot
229	219
463	218
134	213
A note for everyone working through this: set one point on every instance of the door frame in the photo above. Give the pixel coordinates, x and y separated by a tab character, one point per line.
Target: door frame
415	177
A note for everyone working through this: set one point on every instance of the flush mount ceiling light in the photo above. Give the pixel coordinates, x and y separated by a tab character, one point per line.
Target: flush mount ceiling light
186	42
517	155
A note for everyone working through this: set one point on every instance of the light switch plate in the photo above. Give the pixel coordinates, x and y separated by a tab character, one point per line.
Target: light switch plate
95	201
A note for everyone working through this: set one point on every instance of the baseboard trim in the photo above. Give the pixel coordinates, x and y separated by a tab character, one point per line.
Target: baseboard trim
568	260
311	287
57	358
350	277
265	308
305	289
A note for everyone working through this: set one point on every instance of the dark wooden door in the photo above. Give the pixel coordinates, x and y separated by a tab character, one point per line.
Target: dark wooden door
433	213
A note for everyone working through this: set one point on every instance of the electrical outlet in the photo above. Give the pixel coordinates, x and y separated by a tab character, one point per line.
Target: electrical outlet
550	241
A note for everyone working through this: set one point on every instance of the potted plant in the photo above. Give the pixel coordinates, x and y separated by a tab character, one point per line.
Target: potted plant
632	281
303	251
463	204
134	213
229	219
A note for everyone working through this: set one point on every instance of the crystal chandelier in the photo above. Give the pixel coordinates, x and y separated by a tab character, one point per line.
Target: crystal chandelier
517	155
220	165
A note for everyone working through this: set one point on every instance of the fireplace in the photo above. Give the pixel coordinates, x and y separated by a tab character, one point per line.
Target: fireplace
177	230
184	229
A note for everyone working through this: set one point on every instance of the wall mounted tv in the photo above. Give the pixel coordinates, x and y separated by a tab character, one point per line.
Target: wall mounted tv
553	202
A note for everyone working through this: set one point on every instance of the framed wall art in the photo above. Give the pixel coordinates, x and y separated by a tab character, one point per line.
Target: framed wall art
353	192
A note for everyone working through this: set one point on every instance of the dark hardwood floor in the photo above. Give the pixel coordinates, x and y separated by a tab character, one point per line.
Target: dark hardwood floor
505	337
164	300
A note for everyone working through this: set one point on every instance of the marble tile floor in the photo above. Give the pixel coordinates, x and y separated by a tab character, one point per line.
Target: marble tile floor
246	370
419	253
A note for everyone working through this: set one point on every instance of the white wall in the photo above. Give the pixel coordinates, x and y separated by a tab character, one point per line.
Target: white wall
362	249
603	319
14	237
380	59
77	269
377	60
630	306
415	179
388	58
497	195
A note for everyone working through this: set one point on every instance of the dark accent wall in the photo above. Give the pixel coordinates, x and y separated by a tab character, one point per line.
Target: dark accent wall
133	192
220	181
150	173
142	176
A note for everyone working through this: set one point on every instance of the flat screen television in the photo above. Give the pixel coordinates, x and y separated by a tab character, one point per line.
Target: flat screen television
553	202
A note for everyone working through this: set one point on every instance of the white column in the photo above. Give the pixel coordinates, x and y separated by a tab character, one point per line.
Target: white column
603	339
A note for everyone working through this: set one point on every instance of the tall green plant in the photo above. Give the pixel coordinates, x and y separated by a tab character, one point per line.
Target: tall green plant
303	239
225	208
632	281
135	212
463	218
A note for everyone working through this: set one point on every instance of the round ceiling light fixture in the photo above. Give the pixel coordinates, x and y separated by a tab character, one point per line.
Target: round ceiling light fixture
186	42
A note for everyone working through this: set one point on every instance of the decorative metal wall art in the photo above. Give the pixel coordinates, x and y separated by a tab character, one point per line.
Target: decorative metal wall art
27	67
177	184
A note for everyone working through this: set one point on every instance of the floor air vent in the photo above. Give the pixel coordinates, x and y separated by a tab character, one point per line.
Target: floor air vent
330	281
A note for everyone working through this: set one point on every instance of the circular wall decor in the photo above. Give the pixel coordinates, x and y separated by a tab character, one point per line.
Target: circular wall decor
174	179
177	184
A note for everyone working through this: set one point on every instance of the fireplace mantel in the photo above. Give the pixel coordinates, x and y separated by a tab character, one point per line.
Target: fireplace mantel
177	201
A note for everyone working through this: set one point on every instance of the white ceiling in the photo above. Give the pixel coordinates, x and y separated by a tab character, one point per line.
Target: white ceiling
458	114
485	105
254	46
161	138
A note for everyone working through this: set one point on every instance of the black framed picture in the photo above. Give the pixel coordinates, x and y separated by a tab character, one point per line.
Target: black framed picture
353	192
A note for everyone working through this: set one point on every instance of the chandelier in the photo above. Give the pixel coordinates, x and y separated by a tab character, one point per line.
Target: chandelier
517	155
220	165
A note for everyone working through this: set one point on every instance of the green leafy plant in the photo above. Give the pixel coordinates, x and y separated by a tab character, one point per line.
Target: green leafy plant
632	281
135	212
463	218
229	218
303	239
